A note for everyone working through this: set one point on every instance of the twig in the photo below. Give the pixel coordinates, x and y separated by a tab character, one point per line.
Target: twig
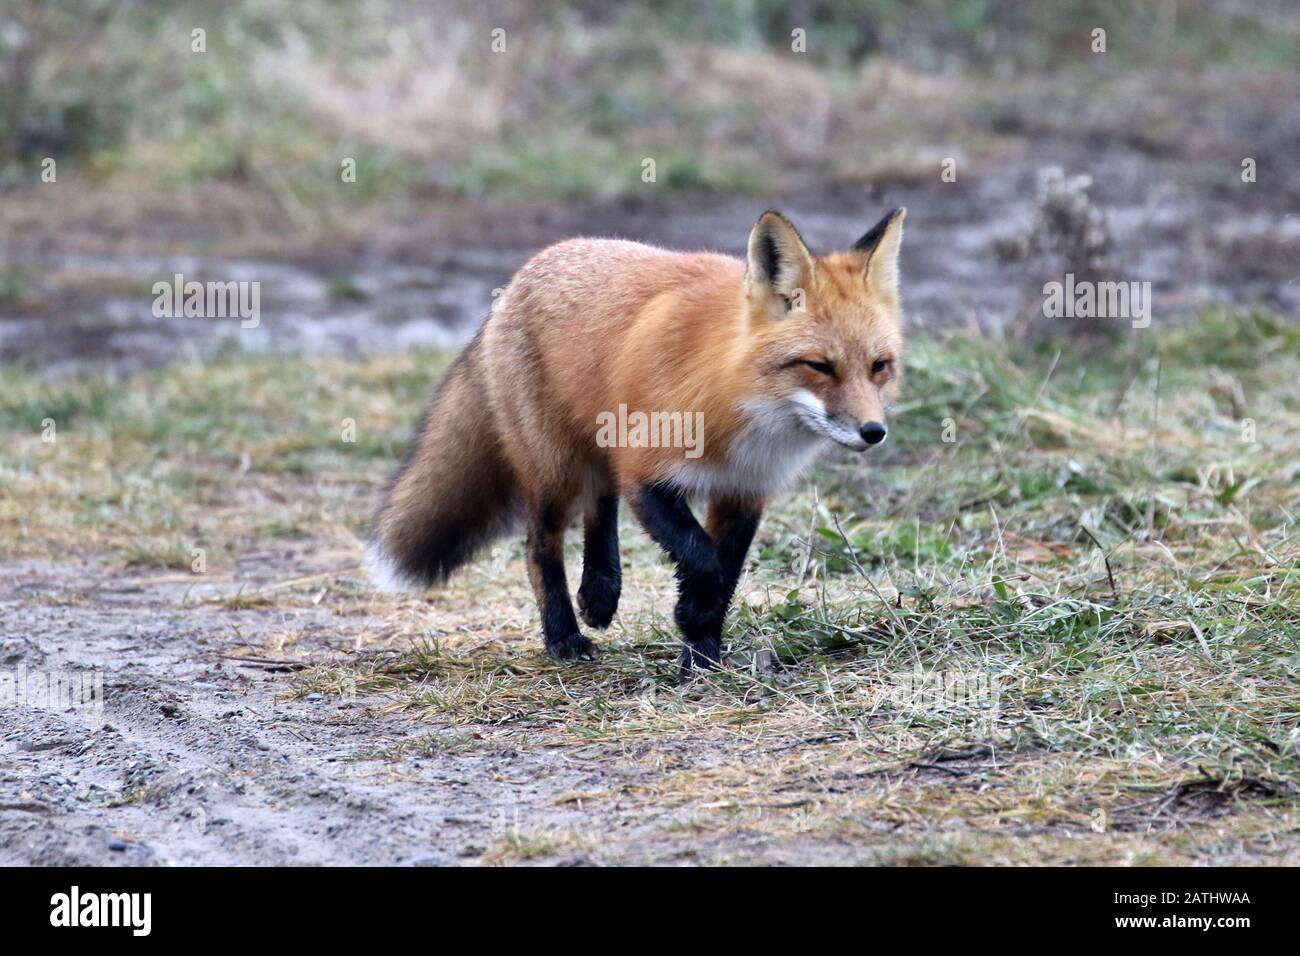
862	571
1110	575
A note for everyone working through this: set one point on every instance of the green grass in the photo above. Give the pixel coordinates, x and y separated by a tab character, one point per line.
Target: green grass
136	460
1090	549
566	170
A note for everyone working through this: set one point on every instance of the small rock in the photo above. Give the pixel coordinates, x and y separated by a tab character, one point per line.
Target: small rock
35	746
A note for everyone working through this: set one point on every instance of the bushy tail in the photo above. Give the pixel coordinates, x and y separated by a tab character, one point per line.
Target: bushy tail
454	493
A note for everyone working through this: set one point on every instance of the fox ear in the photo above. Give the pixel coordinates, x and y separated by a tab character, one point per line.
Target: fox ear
780	265
880	246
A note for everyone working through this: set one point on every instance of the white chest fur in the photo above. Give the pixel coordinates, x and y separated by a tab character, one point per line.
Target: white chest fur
765	457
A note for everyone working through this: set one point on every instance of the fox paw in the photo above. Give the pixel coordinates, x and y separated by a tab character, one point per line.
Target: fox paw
573	647
699	656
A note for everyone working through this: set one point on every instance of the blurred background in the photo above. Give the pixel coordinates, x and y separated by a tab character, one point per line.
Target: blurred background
482	130
1103	515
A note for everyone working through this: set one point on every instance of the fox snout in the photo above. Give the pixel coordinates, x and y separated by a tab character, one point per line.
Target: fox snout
841	426
860	421
873	433
859	415
860	436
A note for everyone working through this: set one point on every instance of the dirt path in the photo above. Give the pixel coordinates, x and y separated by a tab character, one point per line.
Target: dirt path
199	756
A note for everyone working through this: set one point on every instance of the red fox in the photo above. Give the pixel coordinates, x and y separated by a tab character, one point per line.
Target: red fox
773	356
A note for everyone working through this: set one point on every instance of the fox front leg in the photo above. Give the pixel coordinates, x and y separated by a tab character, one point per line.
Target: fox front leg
701	589
732	524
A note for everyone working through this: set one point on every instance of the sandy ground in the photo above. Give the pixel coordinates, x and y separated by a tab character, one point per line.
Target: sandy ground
199	754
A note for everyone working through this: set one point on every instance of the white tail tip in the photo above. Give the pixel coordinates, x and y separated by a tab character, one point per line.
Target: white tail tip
383	571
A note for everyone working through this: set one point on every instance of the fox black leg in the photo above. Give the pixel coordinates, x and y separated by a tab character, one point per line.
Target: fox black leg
602	574
732	524
546	571
701	606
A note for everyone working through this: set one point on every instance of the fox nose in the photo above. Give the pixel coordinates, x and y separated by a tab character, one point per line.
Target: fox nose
873	433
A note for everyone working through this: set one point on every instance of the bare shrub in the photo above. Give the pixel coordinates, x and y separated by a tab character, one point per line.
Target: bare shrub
1067	233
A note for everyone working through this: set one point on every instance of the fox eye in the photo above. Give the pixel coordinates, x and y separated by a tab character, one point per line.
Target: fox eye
881	365
826	368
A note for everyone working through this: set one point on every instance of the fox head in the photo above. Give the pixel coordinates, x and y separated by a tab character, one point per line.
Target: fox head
826	332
